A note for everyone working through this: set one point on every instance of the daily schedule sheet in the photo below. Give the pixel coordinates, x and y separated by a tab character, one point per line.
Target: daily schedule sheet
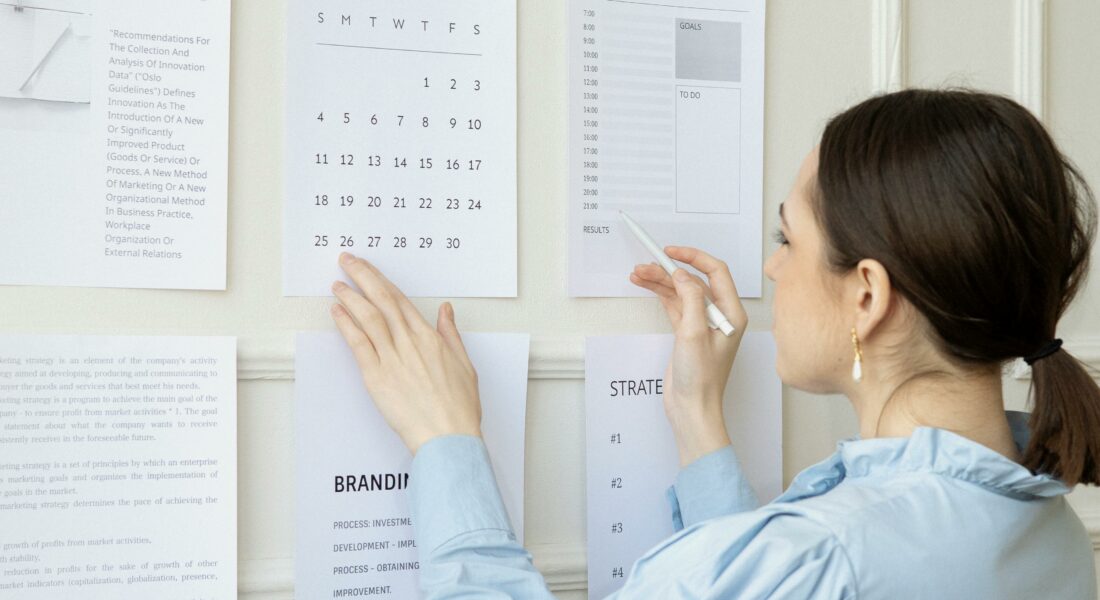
118	467
354	531
666	108
114	123
401	144
631	453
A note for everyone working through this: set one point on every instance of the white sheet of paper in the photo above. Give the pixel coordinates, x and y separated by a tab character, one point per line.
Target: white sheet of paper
632	456
340	432
666	122
401	144
118	467
114	116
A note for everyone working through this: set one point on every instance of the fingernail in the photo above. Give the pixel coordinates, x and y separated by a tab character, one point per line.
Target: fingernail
681	275
347	258
338	285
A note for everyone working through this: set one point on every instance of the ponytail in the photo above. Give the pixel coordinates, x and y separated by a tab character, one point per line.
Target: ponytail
1065	420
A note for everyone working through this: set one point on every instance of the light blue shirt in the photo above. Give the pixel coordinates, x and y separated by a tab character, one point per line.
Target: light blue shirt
934	515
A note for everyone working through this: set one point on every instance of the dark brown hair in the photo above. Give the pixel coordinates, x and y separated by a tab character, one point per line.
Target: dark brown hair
986	228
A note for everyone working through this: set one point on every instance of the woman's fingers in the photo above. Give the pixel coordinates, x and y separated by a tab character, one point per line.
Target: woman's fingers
445	324
717	272
412	316
374	289
666	295
402	318
366	316
658	283
361	347
654	273
693	306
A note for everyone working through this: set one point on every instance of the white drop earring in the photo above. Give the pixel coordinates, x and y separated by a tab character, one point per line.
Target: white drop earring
857	364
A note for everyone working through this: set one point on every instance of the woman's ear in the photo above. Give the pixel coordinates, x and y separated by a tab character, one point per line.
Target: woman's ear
872	297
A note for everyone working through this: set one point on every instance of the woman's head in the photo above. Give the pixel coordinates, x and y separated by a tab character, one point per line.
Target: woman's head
959	208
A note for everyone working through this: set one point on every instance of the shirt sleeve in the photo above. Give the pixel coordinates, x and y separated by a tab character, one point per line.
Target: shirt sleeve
467	548
755	555
712	486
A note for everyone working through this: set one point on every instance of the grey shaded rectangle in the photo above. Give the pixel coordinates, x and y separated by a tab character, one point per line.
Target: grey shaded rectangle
708	50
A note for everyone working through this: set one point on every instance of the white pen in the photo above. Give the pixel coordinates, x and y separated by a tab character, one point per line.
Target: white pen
714	315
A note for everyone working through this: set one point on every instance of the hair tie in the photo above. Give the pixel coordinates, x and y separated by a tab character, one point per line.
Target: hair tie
1050	348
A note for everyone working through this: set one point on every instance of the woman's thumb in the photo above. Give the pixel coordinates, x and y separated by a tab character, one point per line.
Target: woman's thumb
445	322
445	325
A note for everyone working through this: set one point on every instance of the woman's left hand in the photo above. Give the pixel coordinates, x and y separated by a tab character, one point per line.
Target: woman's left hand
420	377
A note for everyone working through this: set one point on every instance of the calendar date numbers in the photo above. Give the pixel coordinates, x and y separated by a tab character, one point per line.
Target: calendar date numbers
350	201
455	122
395	241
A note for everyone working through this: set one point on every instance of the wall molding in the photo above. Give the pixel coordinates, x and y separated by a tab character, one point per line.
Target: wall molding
261	576
889	46
564	566
1029	80
1091	518
272	358
552	357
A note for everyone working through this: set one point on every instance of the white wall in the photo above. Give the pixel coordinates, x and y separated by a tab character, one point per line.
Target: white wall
821	57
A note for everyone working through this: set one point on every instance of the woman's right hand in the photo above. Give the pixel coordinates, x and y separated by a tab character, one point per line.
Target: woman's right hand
695	380
419	376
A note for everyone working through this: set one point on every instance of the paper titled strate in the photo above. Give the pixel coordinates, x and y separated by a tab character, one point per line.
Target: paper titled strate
632	455
113	143
118	468
354	531
401	144
666	108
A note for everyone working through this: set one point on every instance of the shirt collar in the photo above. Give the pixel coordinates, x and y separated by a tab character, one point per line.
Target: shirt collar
931	450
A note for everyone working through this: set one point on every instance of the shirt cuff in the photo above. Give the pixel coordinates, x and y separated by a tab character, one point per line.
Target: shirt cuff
712	486
452	491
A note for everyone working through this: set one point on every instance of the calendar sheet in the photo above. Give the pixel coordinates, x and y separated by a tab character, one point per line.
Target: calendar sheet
666	110
631	453
356	539
401	144
113	142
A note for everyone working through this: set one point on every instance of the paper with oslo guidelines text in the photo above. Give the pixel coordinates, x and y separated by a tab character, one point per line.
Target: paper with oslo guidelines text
666	111
114	143
354	533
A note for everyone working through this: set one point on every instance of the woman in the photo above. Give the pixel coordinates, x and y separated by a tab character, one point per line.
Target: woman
931	237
